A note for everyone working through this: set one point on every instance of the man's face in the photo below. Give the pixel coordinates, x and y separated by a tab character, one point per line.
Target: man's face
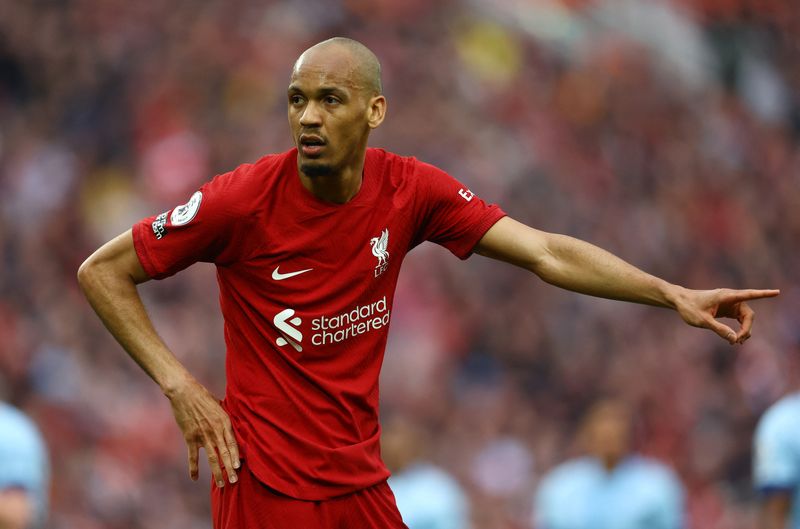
607	432
328	111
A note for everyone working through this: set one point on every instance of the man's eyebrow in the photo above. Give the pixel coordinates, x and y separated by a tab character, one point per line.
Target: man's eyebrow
322	90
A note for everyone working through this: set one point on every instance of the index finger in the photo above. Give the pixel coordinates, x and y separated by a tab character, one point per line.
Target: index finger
747	294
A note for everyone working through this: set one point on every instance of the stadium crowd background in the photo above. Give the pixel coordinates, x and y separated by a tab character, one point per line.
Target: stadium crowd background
664	132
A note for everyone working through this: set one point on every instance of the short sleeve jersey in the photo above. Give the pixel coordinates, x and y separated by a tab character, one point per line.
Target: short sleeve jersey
23	459
638	494
776	466
306	290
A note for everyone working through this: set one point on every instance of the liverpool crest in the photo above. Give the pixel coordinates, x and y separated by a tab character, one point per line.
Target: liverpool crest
379	245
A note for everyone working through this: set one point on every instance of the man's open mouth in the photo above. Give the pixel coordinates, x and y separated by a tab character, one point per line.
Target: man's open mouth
311	145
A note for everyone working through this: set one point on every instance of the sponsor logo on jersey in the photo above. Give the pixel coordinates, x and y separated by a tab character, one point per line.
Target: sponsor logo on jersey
277	276
289	329
328	330
160	225
379	249
466	194
184	214
359	320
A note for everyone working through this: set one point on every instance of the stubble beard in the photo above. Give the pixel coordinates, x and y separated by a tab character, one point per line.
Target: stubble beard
313	170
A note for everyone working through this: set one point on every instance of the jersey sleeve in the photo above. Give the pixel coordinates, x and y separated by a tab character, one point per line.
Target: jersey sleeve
452	215
776	465
210	227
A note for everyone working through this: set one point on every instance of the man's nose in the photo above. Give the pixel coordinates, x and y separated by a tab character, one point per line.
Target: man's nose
311	115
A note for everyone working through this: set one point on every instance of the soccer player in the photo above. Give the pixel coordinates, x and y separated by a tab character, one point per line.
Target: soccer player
427	496
776	451
610	487
308	245
24	471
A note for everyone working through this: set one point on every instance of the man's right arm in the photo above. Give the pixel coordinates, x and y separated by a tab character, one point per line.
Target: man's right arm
108	279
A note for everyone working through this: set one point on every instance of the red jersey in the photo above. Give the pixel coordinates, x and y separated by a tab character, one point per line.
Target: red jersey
306	290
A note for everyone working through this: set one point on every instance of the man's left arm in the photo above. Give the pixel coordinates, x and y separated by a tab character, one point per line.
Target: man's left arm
576	265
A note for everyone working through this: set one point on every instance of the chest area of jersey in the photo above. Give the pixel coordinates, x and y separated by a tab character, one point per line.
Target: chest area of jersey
322	280
329	258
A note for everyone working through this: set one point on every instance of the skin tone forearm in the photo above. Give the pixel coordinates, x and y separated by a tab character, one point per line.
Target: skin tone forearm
576	265
108	279
581	267
109	284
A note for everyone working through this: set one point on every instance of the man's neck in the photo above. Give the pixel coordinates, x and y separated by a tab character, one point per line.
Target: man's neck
609	463
337	188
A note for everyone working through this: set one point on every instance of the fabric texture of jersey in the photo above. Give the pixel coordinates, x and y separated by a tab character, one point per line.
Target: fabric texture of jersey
638	494
23	459
776	465
306	291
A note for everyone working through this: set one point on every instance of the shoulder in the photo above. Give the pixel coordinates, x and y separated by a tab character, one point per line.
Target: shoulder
249	176
274	165
13	419
430	185
401	166
18	429
776	460
428	480
397	177
573	470
655	473
572	481
393	168
780	418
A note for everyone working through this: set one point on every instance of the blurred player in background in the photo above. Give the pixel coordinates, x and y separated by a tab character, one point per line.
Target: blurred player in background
24	471
427	496
611	487
308	246
776	448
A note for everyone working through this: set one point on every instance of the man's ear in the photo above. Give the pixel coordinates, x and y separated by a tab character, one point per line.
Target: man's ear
376	111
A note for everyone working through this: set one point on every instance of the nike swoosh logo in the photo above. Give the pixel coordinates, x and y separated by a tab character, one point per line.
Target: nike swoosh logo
277	276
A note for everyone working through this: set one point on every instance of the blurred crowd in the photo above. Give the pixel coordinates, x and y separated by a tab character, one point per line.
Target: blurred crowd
666	132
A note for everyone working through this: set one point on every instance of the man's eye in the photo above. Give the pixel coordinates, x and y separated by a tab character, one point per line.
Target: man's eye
295	100
330	100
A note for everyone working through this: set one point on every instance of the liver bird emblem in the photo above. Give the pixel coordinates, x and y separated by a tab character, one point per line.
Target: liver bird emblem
379	245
